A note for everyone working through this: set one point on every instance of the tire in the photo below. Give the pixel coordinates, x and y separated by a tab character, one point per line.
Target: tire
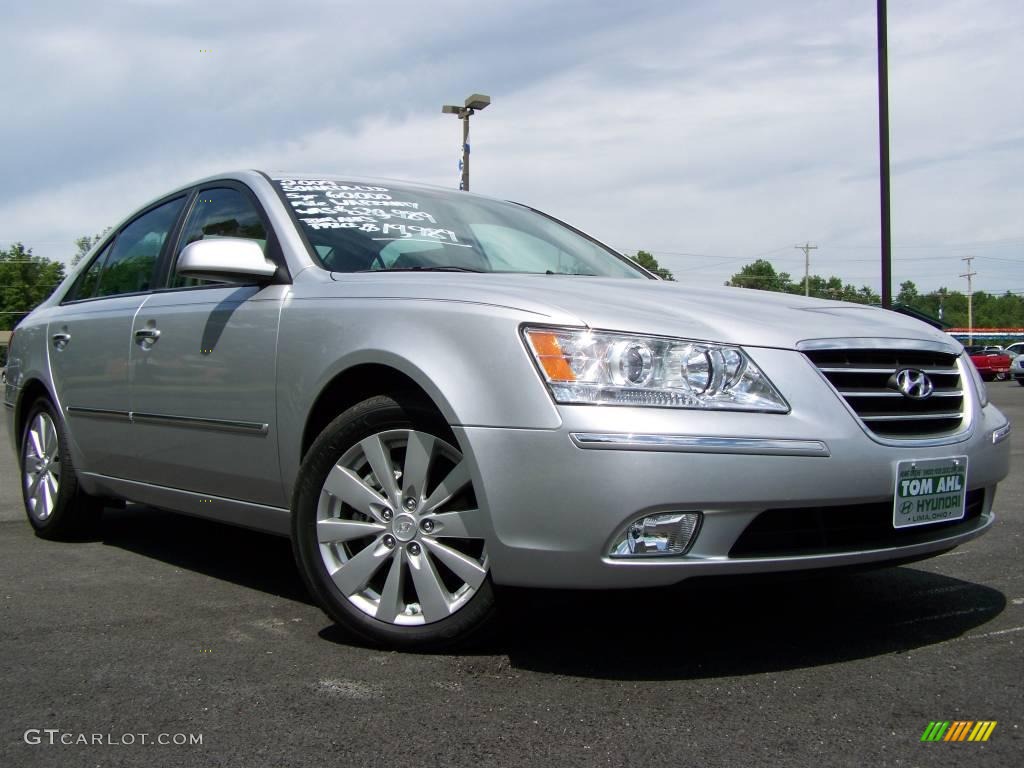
55	505
403	566
1021	382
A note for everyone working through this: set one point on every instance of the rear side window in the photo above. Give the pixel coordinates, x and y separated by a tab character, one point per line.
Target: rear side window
220	212
132	261
85	285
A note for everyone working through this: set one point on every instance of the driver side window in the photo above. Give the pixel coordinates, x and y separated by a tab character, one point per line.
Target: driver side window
219	212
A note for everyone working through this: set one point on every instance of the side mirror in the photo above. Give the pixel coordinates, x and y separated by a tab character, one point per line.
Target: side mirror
227	260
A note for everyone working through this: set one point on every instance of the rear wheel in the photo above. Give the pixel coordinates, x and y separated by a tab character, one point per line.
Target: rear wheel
387	530
56	507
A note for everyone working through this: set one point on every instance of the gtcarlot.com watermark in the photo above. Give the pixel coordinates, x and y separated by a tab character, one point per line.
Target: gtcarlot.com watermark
55	736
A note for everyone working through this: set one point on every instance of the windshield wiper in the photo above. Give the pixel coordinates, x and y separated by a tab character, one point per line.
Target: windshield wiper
421	269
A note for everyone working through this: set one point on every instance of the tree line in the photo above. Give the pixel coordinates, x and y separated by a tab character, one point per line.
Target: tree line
26	280
990	310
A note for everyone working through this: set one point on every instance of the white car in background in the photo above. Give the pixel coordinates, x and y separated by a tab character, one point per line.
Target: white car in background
1017	369
1017	348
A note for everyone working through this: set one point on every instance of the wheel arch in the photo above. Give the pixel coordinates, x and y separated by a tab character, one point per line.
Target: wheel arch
30	391
359	382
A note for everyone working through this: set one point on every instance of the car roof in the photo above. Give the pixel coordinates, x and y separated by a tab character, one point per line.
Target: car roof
253	175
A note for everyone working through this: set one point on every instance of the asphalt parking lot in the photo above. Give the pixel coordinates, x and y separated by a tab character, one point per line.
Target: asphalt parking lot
167	625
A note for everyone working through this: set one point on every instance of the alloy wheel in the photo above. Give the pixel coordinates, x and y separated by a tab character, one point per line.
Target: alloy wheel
398	528
41	466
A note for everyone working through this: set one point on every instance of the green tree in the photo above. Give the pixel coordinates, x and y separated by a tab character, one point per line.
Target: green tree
761	275
908	295
84	244
648	262
25	281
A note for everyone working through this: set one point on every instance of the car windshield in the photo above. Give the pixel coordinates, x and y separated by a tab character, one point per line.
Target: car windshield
361	228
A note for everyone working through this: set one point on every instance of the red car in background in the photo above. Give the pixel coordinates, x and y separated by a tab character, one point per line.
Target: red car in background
993	365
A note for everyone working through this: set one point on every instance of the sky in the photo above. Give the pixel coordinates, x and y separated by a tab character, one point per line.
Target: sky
710	133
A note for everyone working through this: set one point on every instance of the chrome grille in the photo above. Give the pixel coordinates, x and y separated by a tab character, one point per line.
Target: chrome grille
862	377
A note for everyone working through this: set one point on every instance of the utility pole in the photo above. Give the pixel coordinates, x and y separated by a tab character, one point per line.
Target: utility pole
807	248
883	159
970	298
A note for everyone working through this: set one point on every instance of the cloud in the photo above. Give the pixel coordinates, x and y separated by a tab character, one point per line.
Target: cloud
720	129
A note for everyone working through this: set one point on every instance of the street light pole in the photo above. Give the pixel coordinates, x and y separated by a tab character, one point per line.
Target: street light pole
474	103
464	184
883	145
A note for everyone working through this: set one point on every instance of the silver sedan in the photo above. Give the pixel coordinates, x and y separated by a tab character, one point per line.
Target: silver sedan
433	392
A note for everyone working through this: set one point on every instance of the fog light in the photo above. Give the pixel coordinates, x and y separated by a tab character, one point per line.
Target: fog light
666	534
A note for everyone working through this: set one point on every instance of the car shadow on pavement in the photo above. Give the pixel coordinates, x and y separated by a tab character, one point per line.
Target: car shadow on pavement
705	627
742	625
237	555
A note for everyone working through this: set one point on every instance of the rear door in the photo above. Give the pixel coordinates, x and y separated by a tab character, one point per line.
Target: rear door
90	336
203	367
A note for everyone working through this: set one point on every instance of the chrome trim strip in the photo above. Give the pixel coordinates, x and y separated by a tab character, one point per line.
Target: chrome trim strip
886	343
890	393
862	369
913	416
226	425
764	446
1000	433
107	413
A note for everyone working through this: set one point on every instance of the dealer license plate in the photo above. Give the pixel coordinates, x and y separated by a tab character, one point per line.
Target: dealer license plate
929	491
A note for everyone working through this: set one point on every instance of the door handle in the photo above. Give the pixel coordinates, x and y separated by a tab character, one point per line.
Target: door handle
60	340
146	337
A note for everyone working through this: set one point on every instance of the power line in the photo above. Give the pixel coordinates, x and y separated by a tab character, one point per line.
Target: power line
755	257
965	244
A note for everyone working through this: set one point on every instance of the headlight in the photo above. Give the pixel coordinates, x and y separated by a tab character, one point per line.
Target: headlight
600	368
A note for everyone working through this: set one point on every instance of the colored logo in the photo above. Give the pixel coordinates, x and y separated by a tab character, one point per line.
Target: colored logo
959	730
913	383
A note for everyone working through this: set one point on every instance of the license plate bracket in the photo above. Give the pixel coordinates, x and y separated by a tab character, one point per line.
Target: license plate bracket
929	491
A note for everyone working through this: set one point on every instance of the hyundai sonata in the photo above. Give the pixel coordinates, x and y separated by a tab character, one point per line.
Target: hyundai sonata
433	393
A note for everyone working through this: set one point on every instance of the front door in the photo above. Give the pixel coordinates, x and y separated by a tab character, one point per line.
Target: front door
203	370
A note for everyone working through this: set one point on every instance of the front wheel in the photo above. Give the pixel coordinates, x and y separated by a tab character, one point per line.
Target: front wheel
387	530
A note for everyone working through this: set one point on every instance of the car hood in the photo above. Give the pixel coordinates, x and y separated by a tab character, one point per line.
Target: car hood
731	315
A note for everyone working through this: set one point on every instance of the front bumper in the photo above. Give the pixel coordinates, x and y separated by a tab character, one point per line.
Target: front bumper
557	505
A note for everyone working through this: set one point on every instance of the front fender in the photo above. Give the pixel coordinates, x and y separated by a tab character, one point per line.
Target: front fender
469	358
